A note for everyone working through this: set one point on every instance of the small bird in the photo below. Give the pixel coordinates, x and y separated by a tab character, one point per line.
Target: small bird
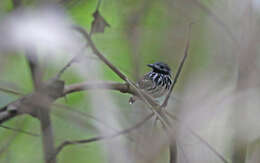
156	82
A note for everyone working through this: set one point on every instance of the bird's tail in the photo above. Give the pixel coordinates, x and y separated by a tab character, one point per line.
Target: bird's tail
132	99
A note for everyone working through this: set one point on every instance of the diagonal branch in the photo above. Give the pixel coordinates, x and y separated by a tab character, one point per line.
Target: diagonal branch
19	130
165	102
100	56
98	138
7	90
222	158
217	20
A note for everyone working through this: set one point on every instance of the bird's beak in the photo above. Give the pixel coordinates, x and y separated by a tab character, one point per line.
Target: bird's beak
150	65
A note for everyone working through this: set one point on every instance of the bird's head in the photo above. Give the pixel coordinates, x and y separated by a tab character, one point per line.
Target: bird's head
160	68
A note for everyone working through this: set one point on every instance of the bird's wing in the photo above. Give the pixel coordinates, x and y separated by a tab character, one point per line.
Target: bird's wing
146	83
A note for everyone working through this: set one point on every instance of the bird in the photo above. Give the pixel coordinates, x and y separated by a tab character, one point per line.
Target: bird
157	82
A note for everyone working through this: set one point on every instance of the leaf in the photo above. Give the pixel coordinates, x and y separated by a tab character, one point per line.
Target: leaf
99	24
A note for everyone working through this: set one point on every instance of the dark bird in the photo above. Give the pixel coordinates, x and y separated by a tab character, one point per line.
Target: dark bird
156	82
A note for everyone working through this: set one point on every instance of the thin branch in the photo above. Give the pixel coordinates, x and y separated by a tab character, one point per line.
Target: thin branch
66	67
19	130
98	138
73	60
100	56
98	5
85	115
222	158
217	20
7	90
165	102
8	142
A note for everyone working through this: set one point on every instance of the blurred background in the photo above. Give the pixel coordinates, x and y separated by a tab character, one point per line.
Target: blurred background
217	94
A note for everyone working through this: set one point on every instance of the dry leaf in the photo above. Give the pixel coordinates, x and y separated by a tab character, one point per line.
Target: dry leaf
99	23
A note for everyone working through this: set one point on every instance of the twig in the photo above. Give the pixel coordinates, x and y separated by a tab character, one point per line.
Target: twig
7	90
222	158
85	115
19	130
98	5
98	138
165	102
217	20
8	142
66	66
73	60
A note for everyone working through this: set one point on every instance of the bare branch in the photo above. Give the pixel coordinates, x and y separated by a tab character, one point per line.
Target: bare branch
98	138
165	102
8	143
222	158
122	87
100	56
65	67
85	115
19	130
217	20
7	90
34	67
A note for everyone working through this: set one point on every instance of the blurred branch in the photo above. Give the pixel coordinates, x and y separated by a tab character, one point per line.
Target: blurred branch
217	20
8	143
85	115
7	90
173	152
32	60
135	18
165	102
19	131
98	138
222	158
16	3
42	110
